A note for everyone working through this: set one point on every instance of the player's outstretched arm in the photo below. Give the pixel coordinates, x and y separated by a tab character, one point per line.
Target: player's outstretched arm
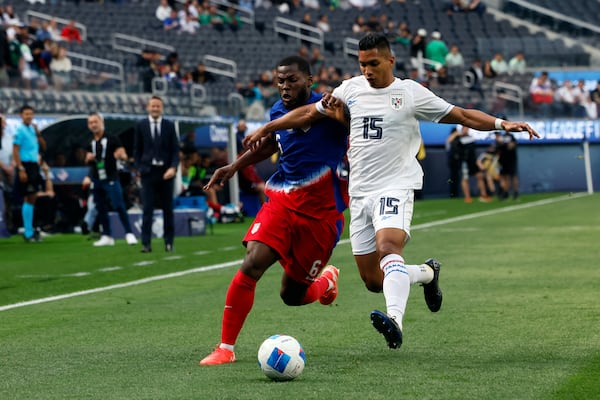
481	121
266	148
300	117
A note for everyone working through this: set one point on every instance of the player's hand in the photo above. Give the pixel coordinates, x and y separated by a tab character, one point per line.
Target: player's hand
252	140
86	182
219	177
520	127
22	176
169	173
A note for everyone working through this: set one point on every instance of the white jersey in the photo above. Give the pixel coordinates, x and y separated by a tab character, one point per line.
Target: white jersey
384	133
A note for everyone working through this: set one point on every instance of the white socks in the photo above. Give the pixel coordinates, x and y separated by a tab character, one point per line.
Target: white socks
397	279
419	273
396	286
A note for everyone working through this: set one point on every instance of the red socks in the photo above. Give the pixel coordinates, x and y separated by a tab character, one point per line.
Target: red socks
315	290
238	303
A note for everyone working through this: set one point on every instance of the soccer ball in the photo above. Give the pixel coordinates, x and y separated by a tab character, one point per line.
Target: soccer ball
281	358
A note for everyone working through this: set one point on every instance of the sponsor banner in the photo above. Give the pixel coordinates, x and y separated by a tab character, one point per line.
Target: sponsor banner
551	131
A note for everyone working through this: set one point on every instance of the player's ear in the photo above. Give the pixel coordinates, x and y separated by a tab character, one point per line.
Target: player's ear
310	81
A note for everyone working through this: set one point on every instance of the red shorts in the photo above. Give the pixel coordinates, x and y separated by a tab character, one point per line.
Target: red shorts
304	244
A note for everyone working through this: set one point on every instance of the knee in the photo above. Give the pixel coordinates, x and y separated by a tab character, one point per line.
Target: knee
372	284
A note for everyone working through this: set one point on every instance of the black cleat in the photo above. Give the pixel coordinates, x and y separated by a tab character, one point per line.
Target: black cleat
388	327
433	293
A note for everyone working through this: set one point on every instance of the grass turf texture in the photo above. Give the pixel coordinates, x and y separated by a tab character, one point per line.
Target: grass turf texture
520	316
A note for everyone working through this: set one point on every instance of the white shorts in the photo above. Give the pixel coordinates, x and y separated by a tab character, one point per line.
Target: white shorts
386	209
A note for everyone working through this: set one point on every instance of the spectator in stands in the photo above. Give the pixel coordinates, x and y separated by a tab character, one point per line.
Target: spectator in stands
363	4
454	58
359	25
54	31
43	32
70	33
163	11
456	6
250	91
403	34
443	78
60	68
488	71
9	16
311	4
188	22
585	107
16	61
232	19
436	50
323	23
542	94
316	60
267	87
517	64
214	18
474	77
595	97
373	24
499	65
201	75
565	99
417	48
171	23
4	59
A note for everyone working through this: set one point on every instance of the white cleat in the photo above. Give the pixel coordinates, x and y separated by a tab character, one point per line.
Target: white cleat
104	241
131	239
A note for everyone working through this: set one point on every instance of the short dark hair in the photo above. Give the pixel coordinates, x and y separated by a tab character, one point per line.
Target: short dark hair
155	97
25	107
303	65
374	41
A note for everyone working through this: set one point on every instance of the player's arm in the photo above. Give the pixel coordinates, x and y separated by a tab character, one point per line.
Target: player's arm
481	121
297	118
266	147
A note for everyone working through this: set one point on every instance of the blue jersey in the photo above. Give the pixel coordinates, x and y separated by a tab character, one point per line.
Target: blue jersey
26	138
306	179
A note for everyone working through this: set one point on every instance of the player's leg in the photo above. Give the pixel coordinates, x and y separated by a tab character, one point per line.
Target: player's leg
240	299
307	278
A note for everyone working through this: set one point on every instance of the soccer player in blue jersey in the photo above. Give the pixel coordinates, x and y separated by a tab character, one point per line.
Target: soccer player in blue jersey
301	222
383	113
26	155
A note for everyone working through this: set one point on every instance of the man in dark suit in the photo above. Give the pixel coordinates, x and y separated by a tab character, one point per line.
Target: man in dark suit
156	154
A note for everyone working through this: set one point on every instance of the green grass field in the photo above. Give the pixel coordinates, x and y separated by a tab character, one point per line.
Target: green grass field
520	320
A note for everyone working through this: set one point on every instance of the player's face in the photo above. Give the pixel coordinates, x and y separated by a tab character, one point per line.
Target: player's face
377	66
293	85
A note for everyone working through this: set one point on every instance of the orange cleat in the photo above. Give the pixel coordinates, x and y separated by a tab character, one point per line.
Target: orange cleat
218	357
331	273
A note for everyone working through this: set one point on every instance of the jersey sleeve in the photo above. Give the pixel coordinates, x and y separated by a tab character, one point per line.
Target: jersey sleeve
428	106
338	92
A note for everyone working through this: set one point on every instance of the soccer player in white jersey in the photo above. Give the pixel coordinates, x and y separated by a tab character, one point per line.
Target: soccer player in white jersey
383	114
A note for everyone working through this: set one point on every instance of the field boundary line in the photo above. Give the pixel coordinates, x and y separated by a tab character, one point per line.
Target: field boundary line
238	262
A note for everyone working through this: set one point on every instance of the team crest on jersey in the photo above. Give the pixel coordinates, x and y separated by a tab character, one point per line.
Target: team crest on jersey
397	100
255	228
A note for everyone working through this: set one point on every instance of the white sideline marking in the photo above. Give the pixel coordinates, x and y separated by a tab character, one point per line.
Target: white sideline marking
119	285
237	262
